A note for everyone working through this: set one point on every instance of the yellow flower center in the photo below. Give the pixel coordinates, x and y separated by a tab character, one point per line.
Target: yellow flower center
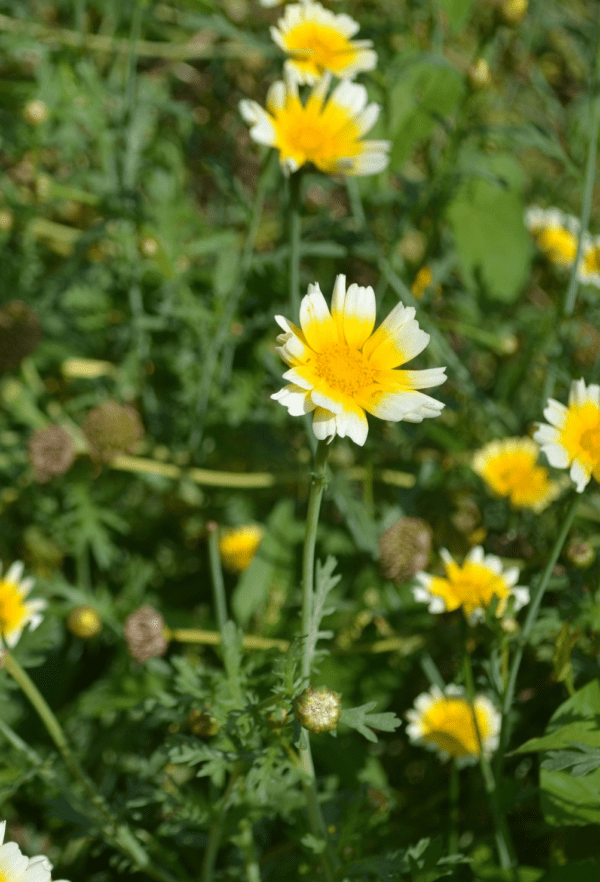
559	244
316	48
471	586
590	442
317	134
591	261
12	609
516	475
449	723
580	435
344	369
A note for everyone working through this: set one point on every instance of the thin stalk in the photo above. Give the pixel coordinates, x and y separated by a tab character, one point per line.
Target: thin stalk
530	619
590	174
216	830
213	638
248	849
216	575
356	205
501	833
295	222
453	837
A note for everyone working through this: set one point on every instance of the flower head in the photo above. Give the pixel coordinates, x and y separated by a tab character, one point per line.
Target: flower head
318	710
404	549
471	586
238	546
145	634
573	437
15	867
15	611
325	131
449	724
111	429
588	271
84	622
339	368
555	233
317	40
51	452
510	469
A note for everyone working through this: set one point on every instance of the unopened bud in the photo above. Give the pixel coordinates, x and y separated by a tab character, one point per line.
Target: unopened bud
580	554
514	11
51	452
35	112
318	710
479	74
84	622
111	429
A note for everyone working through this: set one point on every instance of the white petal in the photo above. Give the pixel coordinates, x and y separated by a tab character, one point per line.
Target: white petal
580	476
324	425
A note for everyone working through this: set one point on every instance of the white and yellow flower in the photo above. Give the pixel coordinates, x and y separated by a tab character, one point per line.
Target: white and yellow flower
238	546
555	233
472	586
15	611
572	440
509	467
318	40
588	271
340	368
327	131
447	723
16	867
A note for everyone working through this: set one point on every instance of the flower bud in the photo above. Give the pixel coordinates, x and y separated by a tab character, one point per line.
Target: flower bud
20	333
51	452
35	113
404	549
144	633
479	74
111	429
318	710
580	554
514	11
202	724
84	622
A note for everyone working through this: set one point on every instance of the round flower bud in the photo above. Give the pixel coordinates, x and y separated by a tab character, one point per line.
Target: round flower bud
513	11
404	549
580	554
84	622
111	429
318	710
277	718
202	724
20	333
51	452
479	74
35	112
145	634
238	546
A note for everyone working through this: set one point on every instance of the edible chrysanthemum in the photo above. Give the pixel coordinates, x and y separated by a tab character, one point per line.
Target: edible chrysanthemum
509	467
339	368
16	867
472	586
238	545
588	270
327	131
15	610
318	709
318	40
572	440
447	723
555	234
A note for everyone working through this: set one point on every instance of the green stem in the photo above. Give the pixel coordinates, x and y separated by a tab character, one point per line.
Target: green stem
501	832
530	619
295	241
248	848
216	830
356	205
590	174
454	809
216	575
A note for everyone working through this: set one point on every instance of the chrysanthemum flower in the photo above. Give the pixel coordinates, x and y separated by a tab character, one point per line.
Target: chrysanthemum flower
555	233
15	867
238	546
588	271
15	611
339	368
471	586
318	40
510	469
325	131
573	437
447	723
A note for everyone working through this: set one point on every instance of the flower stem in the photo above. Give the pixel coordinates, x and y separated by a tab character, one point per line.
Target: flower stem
295	222
532	613
216	575
454	809
216	831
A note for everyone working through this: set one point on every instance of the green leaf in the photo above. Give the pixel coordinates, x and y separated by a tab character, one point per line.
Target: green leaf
458	12
361	719
325	581
486	216
317	846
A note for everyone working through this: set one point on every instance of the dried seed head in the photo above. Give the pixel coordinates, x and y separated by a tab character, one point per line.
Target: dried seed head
111	429
405	549
20	333
84	622
51	452
144	633
318	710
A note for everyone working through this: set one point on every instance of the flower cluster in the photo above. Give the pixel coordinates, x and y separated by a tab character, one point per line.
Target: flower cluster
557	234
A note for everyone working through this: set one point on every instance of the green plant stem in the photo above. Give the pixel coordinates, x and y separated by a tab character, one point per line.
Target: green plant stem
216	576
248	849
356	205
216	830
116	832
454	809
590	174
502	835
295	221
530	619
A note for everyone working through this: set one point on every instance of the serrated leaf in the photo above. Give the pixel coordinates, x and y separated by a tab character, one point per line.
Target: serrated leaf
325	581
313	843
361	719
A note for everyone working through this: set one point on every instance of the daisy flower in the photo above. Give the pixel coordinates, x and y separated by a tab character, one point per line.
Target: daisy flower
326	131
509	467
573	437
339	368
471	586
555	233
588	271
238	546
15	867
15	611
318	40
449	724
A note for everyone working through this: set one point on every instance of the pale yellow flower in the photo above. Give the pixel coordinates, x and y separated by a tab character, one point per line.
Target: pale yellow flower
327	131
510	469
318	40
447	723
555	233
572	440
340	368
422	281
16	867
588	271
472	586
15	611
238	545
